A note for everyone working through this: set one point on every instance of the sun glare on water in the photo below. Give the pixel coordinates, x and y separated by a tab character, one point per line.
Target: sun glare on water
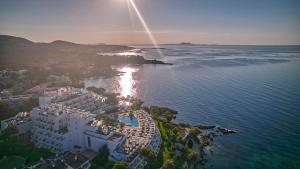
127	53
127	82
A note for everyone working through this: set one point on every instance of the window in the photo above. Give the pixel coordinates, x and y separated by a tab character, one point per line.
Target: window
89	142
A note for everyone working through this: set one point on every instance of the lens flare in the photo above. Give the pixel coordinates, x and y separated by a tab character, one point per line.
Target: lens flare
130	14
149	33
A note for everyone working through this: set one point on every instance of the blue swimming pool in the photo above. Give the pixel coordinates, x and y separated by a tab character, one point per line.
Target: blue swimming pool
130	121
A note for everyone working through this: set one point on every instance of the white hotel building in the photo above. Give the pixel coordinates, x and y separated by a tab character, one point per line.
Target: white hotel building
61	129
76	98
66	119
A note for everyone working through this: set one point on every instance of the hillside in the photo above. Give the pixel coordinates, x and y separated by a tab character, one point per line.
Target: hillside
76	61
20	52
63	58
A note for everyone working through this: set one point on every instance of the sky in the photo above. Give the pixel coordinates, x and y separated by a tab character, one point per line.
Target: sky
266	22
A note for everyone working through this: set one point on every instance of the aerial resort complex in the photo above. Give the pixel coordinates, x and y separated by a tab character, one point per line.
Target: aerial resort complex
74	124
149	84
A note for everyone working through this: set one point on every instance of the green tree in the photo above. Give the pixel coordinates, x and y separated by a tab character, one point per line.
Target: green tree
100	90
13	145
168	116
169	163
191	155
29	105
6	111
101	159
136	105
194	131
103	154
77	84
111	98
148	153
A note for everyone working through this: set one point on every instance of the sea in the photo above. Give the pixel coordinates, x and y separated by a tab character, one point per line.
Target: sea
254	90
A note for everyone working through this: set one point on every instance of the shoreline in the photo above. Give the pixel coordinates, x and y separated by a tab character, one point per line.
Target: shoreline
188	146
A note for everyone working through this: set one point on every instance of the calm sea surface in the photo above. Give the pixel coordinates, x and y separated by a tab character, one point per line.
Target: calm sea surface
253	89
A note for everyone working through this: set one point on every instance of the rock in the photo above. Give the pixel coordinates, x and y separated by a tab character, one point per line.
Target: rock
205	127
225	130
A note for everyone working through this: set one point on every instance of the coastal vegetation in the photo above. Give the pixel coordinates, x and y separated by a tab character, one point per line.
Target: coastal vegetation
167	113
148	153
181	147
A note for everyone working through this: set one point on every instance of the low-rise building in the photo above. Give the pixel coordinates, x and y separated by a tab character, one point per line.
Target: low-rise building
21	121
76	98
17	100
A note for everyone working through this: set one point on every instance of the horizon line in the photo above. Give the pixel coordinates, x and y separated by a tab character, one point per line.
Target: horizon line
149	44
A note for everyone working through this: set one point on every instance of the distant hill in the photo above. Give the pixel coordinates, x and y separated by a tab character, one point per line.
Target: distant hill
186	43
16	51
6	39
183	44
62	57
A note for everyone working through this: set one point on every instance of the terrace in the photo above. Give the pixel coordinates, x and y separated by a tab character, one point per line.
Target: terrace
20	118
76	160
144	135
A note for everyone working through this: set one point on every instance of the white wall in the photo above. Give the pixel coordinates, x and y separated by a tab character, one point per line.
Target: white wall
96	143
76	129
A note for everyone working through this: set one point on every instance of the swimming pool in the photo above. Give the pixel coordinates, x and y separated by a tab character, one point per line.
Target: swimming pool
130	121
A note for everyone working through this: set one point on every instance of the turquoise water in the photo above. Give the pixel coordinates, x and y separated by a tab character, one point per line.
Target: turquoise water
252	89
130	121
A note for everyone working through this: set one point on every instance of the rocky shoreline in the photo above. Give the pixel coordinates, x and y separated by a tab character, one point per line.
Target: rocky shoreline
183	145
